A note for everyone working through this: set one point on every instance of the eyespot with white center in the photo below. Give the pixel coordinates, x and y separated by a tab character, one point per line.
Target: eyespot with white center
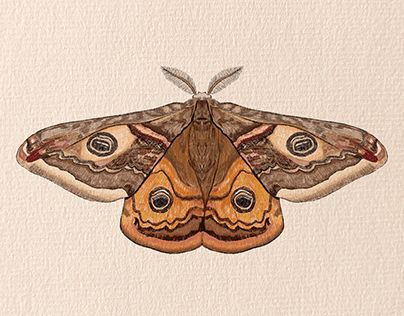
102	144
160	200
243	200
301	144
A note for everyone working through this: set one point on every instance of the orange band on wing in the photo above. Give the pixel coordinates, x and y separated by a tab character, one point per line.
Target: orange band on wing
227	229
176	229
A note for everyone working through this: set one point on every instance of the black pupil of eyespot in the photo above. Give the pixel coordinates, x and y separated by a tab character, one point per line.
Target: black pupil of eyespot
243	201
160	201
303	145
101	145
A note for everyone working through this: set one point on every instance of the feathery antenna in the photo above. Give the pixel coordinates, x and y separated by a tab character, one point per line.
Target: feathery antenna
184	81
181	79
223	79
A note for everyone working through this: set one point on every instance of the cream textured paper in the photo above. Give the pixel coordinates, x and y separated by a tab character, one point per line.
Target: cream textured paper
71	60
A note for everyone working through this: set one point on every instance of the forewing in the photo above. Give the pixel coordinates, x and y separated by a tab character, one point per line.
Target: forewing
107	158
296	158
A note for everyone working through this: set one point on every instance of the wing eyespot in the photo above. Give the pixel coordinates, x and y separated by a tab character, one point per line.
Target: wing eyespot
301	144
160	200
243	200
102	144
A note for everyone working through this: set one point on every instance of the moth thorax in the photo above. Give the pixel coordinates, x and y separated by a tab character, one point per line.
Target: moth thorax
202	111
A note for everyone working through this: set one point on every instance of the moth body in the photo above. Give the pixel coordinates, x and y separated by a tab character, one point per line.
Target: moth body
202	172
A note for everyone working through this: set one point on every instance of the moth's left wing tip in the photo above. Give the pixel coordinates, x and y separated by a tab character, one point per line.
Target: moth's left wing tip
32	156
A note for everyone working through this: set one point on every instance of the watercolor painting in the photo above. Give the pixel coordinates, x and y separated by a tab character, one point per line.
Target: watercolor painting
202	172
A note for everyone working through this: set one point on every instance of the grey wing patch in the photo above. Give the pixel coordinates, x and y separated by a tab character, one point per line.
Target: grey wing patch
342	154
71	132
61	154
329	131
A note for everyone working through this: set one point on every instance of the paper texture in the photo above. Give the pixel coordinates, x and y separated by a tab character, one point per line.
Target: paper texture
70	60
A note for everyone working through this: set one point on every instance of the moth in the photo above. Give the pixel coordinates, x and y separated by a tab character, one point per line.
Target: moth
201	172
